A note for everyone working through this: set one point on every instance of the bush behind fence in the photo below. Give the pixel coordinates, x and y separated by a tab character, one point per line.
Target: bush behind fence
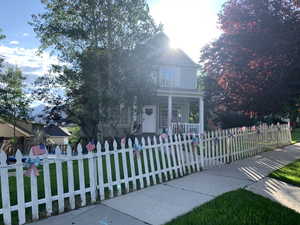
68	181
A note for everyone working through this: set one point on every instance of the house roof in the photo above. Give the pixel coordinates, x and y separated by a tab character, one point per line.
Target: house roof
55	131
164	54
22	130
176	57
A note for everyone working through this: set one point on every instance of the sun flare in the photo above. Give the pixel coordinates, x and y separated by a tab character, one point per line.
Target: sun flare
190	24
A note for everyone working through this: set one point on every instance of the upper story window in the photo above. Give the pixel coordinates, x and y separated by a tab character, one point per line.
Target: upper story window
169	77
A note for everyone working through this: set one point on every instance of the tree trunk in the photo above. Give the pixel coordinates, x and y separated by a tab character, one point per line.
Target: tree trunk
100	133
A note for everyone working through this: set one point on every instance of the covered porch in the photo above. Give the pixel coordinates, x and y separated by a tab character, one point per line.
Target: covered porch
174	111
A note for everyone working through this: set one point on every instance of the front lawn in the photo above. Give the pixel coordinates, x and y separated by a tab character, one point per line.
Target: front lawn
289	174
295	135
239	207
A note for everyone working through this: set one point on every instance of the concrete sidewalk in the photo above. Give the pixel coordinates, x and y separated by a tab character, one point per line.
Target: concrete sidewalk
161	203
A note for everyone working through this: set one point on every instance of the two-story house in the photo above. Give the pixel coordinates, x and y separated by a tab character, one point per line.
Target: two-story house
177	90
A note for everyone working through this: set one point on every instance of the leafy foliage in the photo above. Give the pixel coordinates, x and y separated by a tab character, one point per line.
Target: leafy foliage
102	46
253	67
14	103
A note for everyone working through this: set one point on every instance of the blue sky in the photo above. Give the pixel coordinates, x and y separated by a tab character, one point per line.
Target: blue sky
190	24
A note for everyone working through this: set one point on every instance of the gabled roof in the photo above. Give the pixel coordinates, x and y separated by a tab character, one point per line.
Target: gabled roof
22	130
164	54
176	57
55	131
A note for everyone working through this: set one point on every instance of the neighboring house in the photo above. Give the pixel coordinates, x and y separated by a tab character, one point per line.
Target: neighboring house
177	90
56	135
27	133
31	133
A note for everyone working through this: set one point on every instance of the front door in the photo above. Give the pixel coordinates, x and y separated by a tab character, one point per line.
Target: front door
149	119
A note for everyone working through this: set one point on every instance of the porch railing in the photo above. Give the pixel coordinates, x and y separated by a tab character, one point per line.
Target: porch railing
186	128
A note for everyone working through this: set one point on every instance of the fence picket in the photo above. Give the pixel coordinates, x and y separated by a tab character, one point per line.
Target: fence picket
92	176
117	167
138	155
34	193
145	160
81	175
167	152
5	189
47	185
163	157
20	188
100	171
187	158
157	160
179	156
108	169
59	180
195	153
191	152
132	165
151	157
213	149
70	178
125	169
173	157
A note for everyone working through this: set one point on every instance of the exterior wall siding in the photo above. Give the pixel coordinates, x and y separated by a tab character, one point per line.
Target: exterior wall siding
172	76
188	78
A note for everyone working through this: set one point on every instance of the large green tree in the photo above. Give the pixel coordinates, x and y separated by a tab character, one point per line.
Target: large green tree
14	103
106	63
253	67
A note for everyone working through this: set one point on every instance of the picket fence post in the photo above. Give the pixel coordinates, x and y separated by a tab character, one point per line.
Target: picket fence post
70	177
100	171
34	194
47	185
5	189
81	175
20	188
157	160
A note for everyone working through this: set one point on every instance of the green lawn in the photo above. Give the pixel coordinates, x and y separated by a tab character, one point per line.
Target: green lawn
296	135
239	207
289	174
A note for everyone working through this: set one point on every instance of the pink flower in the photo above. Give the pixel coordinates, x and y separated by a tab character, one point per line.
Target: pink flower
123	141
38	149
90	147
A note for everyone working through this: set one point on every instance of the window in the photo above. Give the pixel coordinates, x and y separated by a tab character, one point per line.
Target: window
121	114
124	117
169	77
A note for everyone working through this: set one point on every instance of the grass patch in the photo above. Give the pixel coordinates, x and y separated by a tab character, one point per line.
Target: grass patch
289	174
295	135
239	207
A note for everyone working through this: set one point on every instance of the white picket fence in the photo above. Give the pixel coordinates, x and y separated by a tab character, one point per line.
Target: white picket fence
68	181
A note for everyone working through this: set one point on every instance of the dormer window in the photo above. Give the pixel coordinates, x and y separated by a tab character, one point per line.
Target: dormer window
169	77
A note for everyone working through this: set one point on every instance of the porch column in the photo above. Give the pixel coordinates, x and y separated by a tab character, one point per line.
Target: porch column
201	114
134	114
170	114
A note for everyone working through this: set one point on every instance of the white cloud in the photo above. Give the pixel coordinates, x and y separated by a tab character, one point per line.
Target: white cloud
14	42
31	64
190	24
25	34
